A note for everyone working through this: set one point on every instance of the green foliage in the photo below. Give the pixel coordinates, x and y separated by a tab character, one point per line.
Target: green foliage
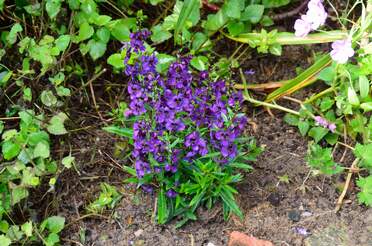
108	198
365	195
321	159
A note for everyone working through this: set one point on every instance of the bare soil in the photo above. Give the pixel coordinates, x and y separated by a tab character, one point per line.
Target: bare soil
273	209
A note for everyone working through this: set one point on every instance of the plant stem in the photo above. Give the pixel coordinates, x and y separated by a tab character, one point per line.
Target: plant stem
286	38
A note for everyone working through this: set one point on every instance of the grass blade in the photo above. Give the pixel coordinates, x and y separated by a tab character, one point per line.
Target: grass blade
304	79
187	7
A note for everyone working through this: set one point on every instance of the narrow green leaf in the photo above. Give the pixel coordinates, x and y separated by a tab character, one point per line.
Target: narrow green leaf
124	132
186	10
162	207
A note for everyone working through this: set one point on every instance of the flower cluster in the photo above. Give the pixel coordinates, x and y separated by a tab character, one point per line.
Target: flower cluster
178	117
312	20
324	123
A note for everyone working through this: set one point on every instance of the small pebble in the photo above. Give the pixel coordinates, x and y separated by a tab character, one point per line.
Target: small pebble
294	215
210	244
306	214
138	232
274	199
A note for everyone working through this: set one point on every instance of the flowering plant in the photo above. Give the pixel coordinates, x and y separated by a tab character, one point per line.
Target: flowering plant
187	134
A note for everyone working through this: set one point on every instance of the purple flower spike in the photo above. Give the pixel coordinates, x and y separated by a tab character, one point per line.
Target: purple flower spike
342	51
249	72
171	193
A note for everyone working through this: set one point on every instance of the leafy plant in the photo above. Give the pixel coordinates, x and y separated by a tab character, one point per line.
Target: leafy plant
186	139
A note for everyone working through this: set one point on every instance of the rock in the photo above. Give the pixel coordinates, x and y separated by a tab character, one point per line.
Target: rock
210	244
138	232
274	199
335	234
241	239
294	215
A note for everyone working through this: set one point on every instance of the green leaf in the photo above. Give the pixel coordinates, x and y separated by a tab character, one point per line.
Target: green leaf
63	91
103	34
27	228
159	34
199	40
229	200
10	150
120	30
162	207
241	166
62	42
124	132
253	13
4	77
68	161
4	226
56	126
1	126
321	159
317	133
352	97
53	7
235	28
327	74
54	224
18	193
12	35
367	107
42	150
187	8
291	119
200	63
27	94
102	20
85	31
97	49
364	152
215	22
116	61
303	126
4	241
274	3
47	98
276	49
365	195
164	61
232	8
52	239
363	86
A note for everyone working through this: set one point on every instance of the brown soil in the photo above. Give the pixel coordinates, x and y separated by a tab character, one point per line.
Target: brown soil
265	201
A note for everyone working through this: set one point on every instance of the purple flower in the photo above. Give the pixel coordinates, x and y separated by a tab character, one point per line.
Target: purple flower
147	188
302	231
171	193
342	51
249	72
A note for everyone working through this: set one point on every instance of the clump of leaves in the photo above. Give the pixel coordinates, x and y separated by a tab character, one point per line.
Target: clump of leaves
108	198
321	159
187	135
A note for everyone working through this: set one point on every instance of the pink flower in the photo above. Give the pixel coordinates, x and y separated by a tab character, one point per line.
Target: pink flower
342	51
321	121
302	27
314	18
324	123
332	127
316	15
